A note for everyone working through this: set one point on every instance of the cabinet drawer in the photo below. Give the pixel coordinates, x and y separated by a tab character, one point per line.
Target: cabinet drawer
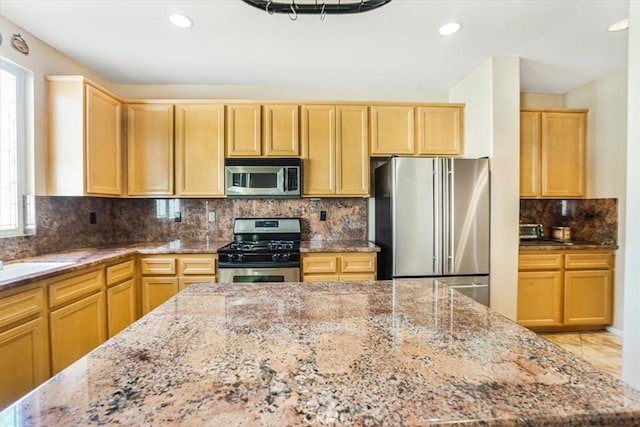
539	261
197	265
20	306
120	272
312	264
589	260
157	266
71	288
358	263
357	277
310	278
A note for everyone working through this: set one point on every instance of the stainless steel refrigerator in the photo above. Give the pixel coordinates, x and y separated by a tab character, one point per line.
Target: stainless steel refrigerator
432	218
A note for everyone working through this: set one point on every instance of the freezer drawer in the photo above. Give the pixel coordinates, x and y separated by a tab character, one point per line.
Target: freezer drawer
475	287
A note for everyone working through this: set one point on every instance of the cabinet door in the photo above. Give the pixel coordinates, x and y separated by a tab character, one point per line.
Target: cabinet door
540	298
150	150
563	154
587	299
24	360
121	306
280	126
439	130
358	262
243	130
156	290
391	130
103	139
352	151
199	144
530	156
318	146
323	263
76	329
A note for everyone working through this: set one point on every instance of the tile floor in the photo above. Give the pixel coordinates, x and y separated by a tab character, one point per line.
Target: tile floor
601	349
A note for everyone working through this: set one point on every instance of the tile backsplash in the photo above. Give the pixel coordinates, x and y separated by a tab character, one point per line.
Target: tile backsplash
591	220
63	222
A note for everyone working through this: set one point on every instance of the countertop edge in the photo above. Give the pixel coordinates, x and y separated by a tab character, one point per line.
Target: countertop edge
84	258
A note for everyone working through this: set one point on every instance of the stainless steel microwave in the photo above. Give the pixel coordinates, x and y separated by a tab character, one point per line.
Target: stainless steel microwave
258	177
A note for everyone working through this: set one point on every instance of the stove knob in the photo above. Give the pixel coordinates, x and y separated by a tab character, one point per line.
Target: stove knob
274	257
239	257
285	257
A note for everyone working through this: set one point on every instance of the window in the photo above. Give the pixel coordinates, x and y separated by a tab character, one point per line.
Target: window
168	209
16	195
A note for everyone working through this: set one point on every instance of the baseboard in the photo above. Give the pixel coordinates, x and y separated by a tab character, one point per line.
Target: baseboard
614	331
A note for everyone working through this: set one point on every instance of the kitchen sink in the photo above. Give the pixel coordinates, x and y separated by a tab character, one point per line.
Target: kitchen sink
19	269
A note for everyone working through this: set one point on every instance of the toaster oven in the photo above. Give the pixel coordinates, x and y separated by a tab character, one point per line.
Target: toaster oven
531	231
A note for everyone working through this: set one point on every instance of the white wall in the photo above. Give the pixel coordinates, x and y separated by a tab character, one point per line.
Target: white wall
492	128
606	99
475	91
42	60
631	340
279	93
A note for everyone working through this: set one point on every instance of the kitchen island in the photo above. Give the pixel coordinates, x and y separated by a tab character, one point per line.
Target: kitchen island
404	352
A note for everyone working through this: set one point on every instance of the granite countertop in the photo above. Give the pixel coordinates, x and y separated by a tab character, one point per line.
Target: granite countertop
89	257
338	246
551	245
404	352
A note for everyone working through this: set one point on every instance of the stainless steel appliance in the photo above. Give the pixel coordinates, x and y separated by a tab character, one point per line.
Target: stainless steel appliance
263	250
269	177
531	231
432	220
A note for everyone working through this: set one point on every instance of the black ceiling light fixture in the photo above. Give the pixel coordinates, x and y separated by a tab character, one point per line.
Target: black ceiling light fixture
316	7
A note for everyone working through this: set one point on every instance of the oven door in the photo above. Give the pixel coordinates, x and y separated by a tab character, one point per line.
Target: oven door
257	275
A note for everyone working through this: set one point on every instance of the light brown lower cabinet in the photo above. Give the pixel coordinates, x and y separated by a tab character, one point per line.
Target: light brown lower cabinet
24	356
163	276
121	306
338	266
565	290
76	329
122	300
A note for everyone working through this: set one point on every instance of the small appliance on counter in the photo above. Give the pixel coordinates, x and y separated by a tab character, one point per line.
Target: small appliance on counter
531	232
561	234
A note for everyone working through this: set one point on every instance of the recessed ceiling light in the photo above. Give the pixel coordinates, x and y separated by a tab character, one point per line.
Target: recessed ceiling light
450	28
619	26
180	21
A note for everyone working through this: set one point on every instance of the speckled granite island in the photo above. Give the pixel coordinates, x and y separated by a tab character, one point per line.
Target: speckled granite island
409	352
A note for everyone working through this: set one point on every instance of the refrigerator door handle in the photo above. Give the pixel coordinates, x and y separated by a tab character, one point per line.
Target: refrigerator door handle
436	221
450	209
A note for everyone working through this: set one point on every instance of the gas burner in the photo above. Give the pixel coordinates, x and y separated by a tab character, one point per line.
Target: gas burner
243	246
280	244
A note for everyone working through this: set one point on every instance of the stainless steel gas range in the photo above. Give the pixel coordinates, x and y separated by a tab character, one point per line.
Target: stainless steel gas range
263	250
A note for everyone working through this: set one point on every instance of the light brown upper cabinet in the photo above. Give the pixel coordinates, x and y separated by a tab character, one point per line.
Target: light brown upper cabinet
280	131
255	130
426	130
552	153
199	145
244	130
439	131
392	130
84	139
335	150
150	149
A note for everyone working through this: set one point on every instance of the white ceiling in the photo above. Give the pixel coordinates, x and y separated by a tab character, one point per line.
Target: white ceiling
563	44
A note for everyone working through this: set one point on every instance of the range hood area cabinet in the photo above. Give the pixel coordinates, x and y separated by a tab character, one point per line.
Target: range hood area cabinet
552	153
84	139
194	132
434	130
335	150
270	130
